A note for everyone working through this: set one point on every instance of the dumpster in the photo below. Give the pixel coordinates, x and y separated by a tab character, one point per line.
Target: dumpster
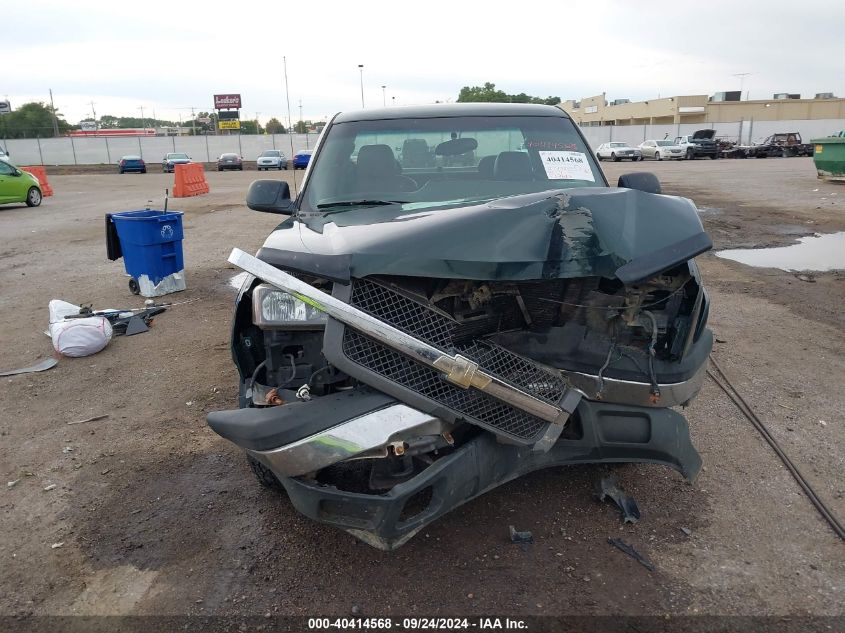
829	157
150	243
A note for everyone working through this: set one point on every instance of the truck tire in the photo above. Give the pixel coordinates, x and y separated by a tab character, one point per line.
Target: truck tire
614	157
690	153
657	156
714	156
264	475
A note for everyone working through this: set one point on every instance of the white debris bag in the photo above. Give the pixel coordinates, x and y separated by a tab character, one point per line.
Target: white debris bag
77	337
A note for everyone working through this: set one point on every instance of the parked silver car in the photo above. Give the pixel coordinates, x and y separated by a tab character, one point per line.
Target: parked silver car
616	151
172	159
658	150
272	159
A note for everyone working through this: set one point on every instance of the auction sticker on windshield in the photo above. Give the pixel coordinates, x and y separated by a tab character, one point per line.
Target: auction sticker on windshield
567	166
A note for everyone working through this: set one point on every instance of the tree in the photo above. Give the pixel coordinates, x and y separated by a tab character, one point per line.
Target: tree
32	120
109	122
274	126
248	127
488	93
301	127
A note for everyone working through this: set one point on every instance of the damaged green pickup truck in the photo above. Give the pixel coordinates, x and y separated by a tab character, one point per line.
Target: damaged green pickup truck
458	298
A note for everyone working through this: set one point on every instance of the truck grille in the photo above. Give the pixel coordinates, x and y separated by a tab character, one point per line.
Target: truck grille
437	329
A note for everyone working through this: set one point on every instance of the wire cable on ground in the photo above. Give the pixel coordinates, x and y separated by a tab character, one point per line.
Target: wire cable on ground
724	383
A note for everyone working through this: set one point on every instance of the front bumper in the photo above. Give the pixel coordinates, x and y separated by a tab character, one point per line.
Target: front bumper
339	429
603	434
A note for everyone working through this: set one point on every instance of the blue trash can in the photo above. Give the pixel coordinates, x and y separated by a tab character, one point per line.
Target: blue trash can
150	242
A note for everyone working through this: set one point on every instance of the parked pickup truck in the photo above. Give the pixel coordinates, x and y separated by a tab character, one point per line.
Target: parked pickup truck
784	144
412	336
699	143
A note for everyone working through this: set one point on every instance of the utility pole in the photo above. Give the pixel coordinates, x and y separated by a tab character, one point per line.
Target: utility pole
193	122
384	95
361	69
257	124
55	118
94	112
143	124
301	124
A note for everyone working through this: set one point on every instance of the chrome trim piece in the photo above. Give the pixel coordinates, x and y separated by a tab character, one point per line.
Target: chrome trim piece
457	369
351	439
637	393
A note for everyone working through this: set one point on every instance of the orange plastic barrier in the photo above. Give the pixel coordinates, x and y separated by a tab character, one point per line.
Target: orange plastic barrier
189	180
41	173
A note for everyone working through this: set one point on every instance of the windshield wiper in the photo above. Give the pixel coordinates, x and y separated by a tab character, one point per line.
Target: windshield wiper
360	203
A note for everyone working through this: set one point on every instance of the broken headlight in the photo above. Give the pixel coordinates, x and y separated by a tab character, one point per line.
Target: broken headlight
275	309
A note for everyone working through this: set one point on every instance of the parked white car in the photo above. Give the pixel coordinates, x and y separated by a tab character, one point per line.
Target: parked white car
617	151
658	150
272	159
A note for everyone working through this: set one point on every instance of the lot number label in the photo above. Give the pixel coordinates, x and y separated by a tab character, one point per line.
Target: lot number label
567	166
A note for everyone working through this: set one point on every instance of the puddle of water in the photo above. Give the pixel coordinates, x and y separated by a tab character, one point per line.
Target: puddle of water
238	280
818	252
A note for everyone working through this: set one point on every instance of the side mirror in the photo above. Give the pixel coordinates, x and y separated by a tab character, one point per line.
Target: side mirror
269	196
641	181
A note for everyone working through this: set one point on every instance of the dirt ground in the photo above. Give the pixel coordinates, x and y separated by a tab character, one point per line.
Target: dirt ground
158	515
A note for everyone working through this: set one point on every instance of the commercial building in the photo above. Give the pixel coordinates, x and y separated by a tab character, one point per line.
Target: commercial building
701	109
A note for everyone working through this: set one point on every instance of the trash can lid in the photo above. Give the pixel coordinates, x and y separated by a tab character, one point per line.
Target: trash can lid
147	214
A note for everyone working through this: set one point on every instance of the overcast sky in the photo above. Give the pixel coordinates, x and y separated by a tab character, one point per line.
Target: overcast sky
174	55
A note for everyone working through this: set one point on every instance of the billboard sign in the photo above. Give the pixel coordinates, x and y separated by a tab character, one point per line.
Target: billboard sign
222	102
5	107
228	115
88	126
229	125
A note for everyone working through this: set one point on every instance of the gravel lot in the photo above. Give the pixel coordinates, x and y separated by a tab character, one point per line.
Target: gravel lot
158	515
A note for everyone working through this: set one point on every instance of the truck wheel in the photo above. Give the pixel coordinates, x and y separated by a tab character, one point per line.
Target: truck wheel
714	156
657	156
264	475
690	154
614	157
134	288
598	156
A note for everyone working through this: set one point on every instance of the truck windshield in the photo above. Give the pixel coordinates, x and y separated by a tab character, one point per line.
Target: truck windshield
440	162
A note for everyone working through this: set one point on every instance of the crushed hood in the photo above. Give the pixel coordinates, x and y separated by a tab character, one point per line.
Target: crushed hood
704	134
607	232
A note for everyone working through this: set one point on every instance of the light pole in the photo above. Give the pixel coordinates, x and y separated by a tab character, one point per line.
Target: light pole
361	69
384	95
257	124
143	125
